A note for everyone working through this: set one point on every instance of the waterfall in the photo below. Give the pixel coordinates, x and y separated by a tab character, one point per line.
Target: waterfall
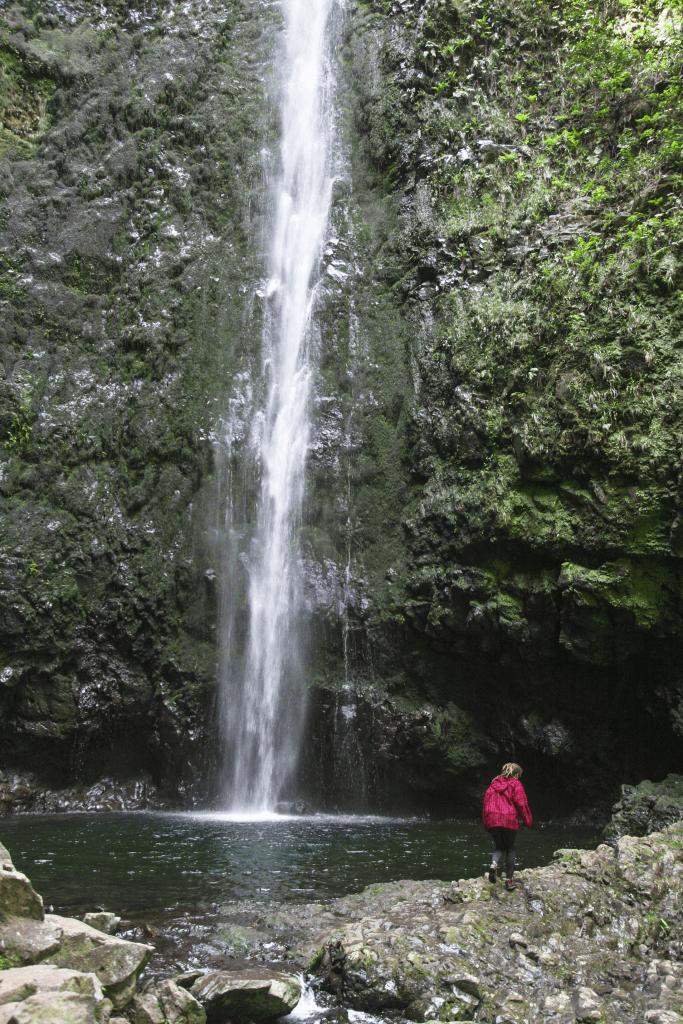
264	707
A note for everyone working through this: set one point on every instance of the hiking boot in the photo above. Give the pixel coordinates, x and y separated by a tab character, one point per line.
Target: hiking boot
493	873
510	886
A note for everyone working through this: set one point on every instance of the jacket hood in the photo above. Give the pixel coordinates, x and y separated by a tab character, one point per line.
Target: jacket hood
500	784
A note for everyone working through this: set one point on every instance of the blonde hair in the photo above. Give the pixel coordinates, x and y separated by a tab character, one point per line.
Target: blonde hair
511	770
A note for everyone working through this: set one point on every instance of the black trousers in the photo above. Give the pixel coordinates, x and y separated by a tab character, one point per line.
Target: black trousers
504	838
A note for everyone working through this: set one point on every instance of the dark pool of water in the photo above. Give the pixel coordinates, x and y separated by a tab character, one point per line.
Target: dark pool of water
140	863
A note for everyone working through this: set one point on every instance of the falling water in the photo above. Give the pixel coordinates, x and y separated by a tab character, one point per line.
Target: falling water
265	714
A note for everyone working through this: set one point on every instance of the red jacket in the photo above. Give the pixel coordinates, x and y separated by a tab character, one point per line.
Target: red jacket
504	801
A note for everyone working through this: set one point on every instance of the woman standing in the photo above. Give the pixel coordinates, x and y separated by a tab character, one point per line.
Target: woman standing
504	801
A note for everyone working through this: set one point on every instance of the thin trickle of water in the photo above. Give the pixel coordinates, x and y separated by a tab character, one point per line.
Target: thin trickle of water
309	1011
264	714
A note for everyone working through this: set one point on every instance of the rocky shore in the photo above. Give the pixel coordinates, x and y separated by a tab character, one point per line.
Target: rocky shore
23	792
58	969
594	937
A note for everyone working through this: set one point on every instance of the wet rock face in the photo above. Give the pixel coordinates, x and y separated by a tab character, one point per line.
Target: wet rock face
127	213
383	753
648	807
27	792
499	534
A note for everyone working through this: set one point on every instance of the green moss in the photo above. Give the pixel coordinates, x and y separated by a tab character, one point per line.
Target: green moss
10	958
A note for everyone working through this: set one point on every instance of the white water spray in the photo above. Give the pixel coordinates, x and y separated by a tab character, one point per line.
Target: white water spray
265	716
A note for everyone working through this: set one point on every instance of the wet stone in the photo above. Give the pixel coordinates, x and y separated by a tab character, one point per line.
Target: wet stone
116	962
26	941
179	1006
587	1005
255	994
103	921
188	979
145	1009
17	896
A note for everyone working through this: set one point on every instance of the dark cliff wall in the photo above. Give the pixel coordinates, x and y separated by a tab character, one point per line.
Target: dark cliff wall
130	181
492	525
506	425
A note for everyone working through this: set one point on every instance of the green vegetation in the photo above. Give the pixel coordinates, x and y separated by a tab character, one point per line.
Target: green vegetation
547	418
503	374
584	310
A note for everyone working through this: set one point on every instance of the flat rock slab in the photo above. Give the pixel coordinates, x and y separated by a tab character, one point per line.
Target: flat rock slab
256	994
25	941
50	1008
116	962
43	993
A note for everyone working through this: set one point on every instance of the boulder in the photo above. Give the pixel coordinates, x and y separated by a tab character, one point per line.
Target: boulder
167	1003
116	962
44	993
103	921
559	1003
256	994
646	808
179	1006
24	940
587	1005
424	1009
18	983
465	982
17	896
145	1009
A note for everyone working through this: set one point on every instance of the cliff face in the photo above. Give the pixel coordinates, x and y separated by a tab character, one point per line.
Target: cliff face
509	420
130	188
491	535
